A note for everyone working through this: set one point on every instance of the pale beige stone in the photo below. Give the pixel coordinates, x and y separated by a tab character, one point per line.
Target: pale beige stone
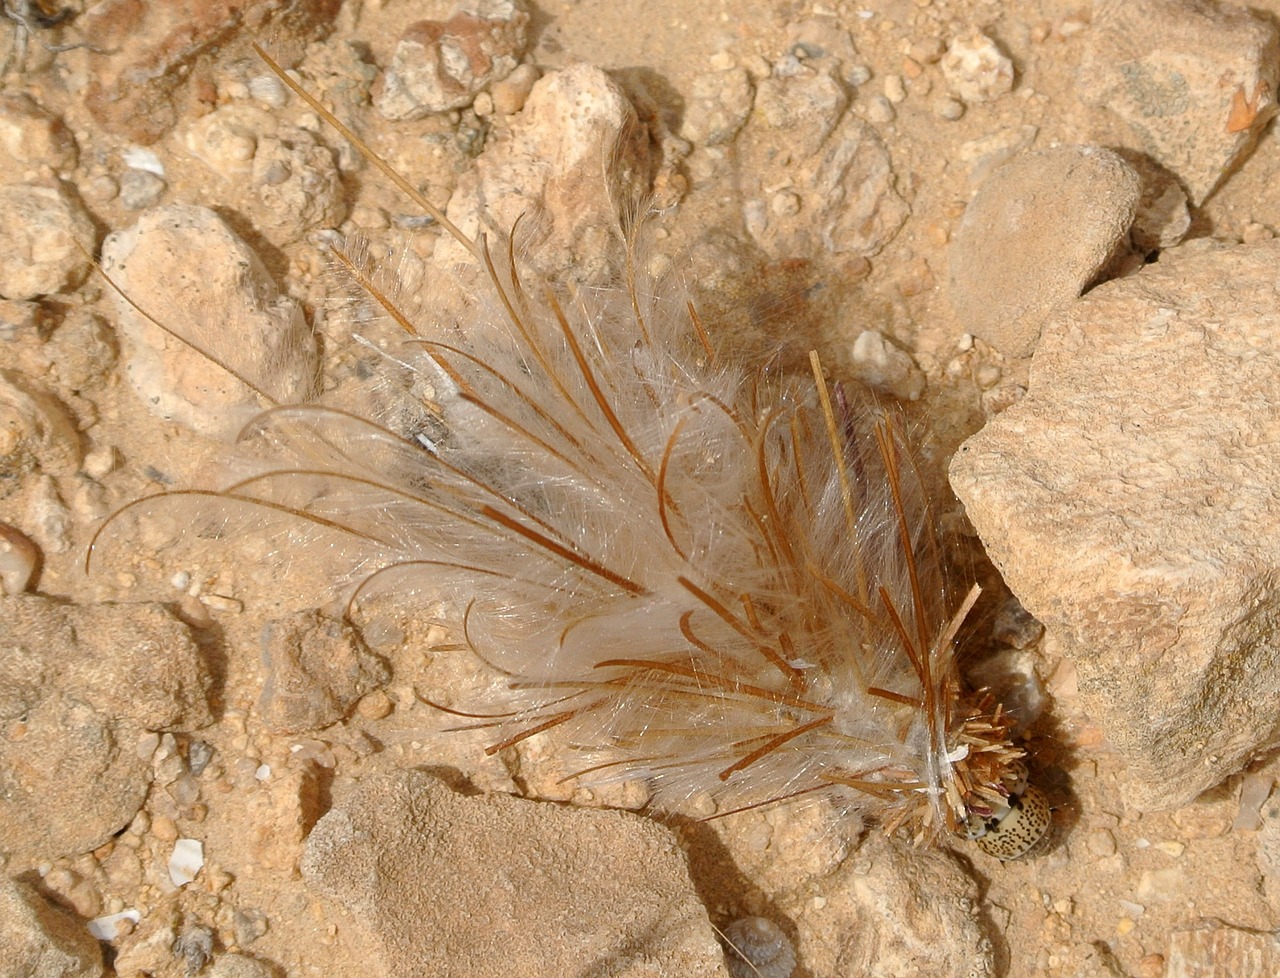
491	885
1193	84
1129	500
1216	950
576	155
1035	234
232	346
38	940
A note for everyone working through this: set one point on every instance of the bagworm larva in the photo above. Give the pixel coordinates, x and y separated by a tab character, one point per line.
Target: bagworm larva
712	577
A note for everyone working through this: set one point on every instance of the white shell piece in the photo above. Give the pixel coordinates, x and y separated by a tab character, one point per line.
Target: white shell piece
186	861
107	928
138	158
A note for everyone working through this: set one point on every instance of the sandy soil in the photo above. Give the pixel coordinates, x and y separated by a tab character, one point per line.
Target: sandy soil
1118	887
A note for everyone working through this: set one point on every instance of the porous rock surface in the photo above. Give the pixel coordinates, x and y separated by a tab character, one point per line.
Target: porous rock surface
583	891
1213	949
317	668
577	154
38	940
1035	234
442	65
1129	502
79	686
841	192
230	309
47	239
1192	84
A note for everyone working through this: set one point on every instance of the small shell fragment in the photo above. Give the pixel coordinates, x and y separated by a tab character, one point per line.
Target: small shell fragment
108	928
186	861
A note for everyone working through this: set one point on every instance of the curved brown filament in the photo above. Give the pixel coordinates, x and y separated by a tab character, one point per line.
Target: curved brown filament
597	394
792	674
574	557
773	745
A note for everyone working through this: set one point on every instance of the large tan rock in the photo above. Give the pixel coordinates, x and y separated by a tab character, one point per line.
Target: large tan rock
1130	501
79	688
39	940
494	885
1192	83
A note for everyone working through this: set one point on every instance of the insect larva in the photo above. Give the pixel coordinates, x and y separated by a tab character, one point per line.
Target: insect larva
719	579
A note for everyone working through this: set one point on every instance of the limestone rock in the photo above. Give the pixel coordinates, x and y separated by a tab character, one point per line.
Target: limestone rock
69	780
19	560
48	238
280	177
231	310
882	366
576	152
806	107
317	670
1128	500
31	135
143	89
1034	235
848	199
1193	83
38	940
719	104
37	432
898	911
854	906
1216	950
131	662
976	69
443	65
79	686
509	886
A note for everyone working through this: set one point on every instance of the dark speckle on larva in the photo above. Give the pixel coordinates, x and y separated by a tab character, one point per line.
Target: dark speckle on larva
1021	829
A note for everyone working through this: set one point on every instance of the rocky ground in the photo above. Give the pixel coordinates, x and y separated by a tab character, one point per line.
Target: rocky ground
1048	228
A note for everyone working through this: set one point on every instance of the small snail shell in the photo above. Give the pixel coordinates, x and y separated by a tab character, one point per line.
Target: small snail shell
758	949
1018	829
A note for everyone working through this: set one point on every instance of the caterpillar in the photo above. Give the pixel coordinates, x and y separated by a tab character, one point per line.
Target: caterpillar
720	579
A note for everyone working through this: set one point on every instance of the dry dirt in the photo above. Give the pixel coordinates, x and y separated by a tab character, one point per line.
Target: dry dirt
1118	887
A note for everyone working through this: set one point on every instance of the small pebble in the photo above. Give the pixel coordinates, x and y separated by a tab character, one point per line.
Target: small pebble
895	90
108	928
987	376
976	69
19	558
267	89
785	203
948	108
375	706
880	109
100	189
509	95
140	189
1101	842
164	829
199	754
101	461
883	366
